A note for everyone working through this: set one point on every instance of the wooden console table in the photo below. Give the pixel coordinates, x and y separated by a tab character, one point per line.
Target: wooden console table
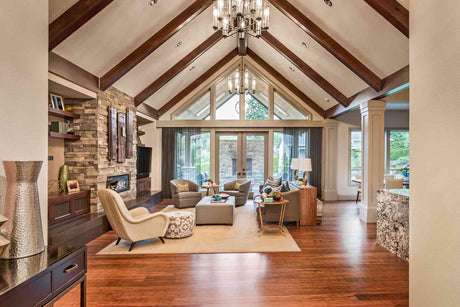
308	197
42	279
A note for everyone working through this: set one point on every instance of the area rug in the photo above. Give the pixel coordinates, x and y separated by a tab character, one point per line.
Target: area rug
242	237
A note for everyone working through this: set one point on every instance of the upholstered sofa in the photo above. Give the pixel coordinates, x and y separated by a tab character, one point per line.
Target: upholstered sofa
272	213
185	199
242	194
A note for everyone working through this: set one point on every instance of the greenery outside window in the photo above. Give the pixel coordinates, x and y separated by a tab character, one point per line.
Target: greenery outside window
397	152
355	156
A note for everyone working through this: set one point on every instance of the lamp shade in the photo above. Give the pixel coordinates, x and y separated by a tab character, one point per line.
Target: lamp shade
305	165
295	163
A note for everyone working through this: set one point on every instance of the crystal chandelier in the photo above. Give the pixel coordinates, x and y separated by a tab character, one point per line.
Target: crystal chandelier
241	83
249	17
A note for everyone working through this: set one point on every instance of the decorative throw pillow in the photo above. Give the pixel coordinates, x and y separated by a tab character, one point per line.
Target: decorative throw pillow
182	188
285	187
237	186
272	182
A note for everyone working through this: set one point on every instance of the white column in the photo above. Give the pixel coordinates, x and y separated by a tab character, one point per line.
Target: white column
373	156
329	161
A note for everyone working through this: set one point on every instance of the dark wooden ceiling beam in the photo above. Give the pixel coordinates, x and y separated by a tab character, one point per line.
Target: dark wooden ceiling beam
393	12
73	19
176	69
148	110
306	69
281	79
328	43
208	74
391	84
153	43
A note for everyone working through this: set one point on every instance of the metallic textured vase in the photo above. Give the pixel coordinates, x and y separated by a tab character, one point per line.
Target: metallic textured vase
22	209
3	242
64	175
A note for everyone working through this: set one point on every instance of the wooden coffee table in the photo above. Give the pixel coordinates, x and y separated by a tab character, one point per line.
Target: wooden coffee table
283	204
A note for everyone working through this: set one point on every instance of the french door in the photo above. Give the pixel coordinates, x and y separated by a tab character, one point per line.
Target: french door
242	155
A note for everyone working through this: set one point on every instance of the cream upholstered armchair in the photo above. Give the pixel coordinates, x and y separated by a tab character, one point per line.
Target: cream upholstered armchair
185	199
132	225
241	194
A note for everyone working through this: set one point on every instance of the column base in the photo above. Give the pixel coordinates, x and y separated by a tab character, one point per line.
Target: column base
329	195
367	214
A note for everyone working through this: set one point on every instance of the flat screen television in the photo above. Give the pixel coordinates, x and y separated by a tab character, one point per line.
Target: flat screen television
144	161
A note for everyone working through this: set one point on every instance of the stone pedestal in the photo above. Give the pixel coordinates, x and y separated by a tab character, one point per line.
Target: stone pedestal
373	156
329	160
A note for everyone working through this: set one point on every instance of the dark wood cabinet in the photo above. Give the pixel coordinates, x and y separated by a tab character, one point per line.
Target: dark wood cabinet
143	186
42	279
64	206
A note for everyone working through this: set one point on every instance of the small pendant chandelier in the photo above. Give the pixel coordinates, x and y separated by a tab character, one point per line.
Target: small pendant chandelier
249	17
241	83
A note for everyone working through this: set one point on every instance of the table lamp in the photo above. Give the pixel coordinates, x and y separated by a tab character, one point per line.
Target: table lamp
295	167
305	166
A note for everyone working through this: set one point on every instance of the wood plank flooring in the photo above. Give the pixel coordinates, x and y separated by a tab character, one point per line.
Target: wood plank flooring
340	265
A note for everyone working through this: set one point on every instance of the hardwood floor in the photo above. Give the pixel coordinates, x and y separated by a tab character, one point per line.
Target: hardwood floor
340	265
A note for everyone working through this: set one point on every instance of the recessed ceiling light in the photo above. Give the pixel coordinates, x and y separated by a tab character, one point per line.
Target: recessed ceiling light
191	68
179	44
329	2
291	68
327	99
152	2
304	44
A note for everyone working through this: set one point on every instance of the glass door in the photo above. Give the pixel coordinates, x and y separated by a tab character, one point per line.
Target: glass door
242	155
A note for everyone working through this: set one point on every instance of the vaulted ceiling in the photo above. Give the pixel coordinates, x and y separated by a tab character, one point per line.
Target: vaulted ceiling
354	45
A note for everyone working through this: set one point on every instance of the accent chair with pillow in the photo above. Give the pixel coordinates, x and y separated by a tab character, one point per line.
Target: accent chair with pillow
185	193
240	189
132	225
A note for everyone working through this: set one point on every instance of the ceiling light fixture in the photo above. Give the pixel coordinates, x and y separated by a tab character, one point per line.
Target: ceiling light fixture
192	68
304	44
291	68
245	17
241	82
152	2
329	3
179	44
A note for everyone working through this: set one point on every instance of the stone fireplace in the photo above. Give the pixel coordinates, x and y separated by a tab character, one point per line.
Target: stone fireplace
88	157
118	183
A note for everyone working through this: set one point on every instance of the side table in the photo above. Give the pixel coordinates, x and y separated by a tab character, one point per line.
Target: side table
283	203
208	187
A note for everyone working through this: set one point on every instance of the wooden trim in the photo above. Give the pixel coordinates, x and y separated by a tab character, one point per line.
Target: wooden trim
331	45
176	99
153	43
391	85
179	67
306	69
239	123
291	87
393	12
147	110
67	70
72	19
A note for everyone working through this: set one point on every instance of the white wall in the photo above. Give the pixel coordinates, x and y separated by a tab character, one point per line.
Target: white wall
345	191
24	87
434	217
152	138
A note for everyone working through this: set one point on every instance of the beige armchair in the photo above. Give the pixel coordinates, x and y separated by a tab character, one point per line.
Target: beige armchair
185	199
242	194
133	225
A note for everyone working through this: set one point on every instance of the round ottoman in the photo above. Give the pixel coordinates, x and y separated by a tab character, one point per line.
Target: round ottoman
181	224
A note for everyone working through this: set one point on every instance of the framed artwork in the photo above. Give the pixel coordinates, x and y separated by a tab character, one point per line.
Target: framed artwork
73	186
57	102
129	133
112	133
121	157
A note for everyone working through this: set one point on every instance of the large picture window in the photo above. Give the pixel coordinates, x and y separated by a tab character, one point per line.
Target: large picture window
355	154
397	153
288	144
193	153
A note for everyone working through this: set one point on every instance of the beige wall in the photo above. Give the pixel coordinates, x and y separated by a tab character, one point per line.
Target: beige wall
152	138
434	272
24	87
